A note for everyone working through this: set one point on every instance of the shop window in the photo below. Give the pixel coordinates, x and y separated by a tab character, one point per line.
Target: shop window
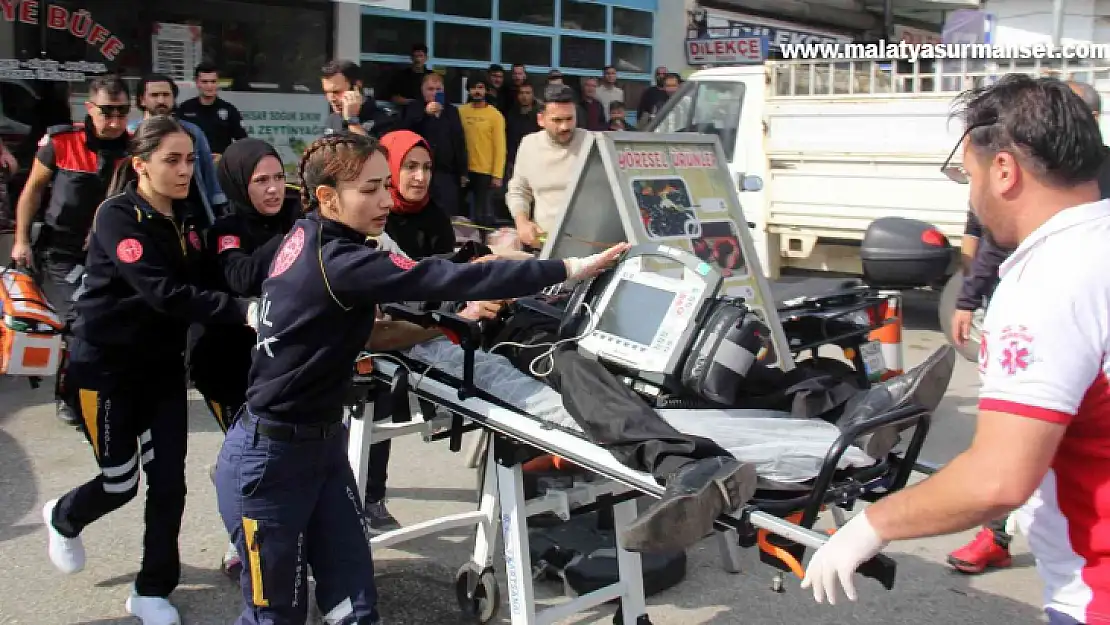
453	82
579	15
378	77
582	53
632	57
480	9
632	23
418	5
458	41
534	12
391	35
527	49
633	92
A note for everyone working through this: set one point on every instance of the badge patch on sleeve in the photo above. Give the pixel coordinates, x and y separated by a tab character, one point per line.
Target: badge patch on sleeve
194	240
227	242
403	263
129	251
288	253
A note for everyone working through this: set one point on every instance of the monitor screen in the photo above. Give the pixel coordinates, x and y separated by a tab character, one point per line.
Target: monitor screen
635	311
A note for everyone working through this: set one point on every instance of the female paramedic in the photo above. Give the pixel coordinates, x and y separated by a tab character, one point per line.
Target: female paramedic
126	360
240	246
286	491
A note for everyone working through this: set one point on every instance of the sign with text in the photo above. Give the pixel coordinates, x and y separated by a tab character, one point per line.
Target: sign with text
46	69
716	24
671	189
78	23
726	50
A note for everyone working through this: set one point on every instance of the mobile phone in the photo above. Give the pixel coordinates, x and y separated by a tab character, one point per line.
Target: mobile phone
441	98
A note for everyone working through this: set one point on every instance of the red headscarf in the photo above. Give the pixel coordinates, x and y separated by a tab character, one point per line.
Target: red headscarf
399	143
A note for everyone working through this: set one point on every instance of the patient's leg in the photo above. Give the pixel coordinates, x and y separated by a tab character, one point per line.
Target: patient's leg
703	480
615	417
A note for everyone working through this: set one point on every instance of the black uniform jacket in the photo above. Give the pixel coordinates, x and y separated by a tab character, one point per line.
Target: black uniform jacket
141	285
318	304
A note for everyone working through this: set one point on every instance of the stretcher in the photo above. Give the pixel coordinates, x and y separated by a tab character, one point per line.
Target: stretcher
778	522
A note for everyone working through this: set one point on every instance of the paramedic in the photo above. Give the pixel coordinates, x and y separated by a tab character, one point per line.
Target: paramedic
283	479
239	248
127	364
76	162
1032	154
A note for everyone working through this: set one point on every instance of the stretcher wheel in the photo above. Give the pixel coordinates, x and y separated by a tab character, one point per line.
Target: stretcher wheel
478	593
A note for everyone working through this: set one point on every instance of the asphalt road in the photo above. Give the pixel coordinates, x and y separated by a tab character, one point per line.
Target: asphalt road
40	459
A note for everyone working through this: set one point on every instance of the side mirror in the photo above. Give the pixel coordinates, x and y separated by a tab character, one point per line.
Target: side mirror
751	183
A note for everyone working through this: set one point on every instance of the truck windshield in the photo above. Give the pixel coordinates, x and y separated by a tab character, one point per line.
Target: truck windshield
707	107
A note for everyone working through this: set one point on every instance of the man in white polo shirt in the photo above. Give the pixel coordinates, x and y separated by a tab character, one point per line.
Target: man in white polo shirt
1032	153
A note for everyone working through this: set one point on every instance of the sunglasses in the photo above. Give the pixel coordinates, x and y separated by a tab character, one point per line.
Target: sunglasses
113	110
957	173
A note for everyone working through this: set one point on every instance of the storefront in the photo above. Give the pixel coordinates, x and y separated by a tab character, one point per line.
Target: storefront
269	54
463	36
716	37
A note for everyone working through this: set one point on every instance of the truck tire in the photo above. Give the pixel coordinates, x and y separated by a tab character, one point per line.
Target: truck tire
947	307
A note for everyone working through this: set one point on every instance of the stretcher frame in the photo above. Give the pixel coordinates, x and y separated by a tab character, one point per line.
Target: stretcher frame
502	504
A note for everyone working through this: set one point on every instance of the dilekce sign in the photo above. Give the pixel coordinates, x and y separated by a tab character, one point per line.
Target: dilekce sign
79	23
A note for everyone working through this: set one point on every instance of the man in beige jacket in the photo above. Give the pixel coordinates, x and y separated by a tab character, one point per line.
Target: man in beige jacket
544	165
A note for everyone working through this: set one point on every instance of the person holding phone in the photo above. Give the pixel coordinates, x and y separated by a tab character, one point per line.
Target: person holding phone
438	122
350	110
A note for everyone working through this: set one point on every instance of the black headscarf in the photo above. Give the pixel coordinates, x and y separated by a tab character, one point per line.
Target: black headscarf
234	174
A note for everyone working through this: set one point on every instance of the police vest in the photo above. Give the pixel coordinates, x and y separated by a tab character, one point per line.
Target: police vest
80	182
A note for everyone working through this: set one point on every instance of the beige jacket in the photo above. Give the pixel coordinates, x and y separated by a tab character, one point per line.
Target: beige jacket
541	175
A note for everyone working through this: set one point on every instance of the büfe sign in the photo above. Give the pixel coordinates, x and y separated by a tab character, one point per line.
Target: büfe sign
78	23
721	50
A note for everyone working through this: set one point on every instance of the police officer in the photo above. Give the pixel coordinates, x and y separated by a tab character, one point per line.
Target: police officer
286	491
127	360
76	162
240	246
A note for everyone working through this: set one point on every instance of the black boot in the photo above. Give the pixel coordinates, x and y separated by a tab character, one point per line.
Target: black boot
696	495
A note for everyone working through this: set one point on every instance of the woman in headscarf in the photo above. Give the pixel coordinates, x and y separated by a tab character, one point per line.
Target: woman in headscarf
240	246
418	226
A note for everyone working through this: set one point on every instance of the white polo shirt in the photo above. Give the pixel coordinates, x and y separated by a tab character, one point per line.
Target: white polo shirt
1044	356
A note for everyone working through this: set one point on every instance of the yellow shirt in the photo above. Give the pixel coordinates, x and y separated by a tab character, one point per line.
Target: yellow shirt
484	128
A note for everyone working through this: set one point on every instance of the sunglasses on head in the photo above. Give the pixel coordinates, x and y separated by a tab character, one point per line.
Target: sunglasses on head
114	110
957	173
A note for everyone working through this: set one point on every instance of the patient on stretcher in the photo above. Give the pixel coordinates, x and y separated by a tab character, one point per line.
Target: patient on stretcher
710	461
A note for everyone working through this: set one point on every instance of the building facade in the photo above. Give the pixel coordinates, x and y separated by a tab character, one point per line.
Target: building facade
466	36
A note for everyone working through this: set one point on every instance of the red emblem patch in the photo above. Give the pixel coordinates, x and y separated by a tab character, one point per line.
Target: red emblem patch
227	242
288	253
129	251
1017	349
194	239
402	262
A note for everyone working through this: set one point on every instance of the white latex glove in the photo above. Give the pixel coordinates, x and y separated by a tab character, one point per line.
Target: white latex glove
590	266
252	315
836	562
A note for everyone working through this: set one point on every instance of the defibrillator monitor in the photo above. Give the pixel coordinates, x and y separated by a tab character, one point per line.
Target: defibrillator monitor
645	314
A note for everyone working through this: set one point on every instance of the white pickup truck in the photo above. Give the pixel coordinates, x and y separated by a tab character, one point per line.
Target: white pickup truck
834	146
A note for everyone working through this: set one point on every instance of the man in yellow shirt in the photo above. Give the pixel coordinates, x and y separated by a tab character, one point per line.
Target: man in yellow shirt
484	128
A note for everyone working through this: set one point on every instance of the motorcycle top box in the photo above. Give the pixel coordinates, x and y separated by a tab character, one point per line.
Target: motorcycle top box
899	253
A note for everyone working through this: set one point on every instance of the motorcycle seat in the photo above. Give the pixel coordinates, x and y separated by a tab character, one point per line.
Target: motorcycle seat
788	289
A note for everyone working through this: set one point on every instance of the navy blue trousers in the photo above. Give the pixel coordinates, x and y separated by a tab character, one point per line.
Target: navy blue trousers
289	506
1059	618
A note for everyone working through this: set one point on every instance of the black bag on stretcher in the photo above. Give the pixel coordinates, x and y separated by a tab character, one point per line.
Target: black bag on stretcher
30	329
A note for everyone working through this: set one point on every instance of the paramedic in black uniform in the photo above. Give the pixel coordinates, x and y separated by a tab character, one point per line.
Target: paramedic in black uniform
76	162
127	364
239	247
286	490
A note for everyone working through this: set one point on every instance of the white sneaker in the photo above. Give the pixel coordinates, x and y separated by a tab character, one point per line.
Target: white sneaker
67	554
152	610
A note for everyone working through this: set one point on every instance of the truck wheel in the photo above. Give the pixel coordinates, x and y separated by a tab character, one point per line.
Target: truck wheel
948	298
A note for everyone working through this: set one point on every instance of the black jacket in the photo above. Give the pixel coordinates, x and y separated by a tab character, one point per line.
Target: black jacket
239	248
141	286
423	234
443	133
318	303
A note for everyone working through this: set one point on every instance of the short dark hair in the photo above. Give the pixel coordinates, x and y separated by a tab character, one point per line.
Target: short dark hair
140	88
206	67
419	47
615	105
110	85
1042	121
349	69
558	94
496	68
609	67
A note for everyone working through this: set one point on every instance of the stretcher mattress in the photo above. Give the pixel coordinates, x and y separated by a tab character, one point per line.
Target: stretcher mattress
785	451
